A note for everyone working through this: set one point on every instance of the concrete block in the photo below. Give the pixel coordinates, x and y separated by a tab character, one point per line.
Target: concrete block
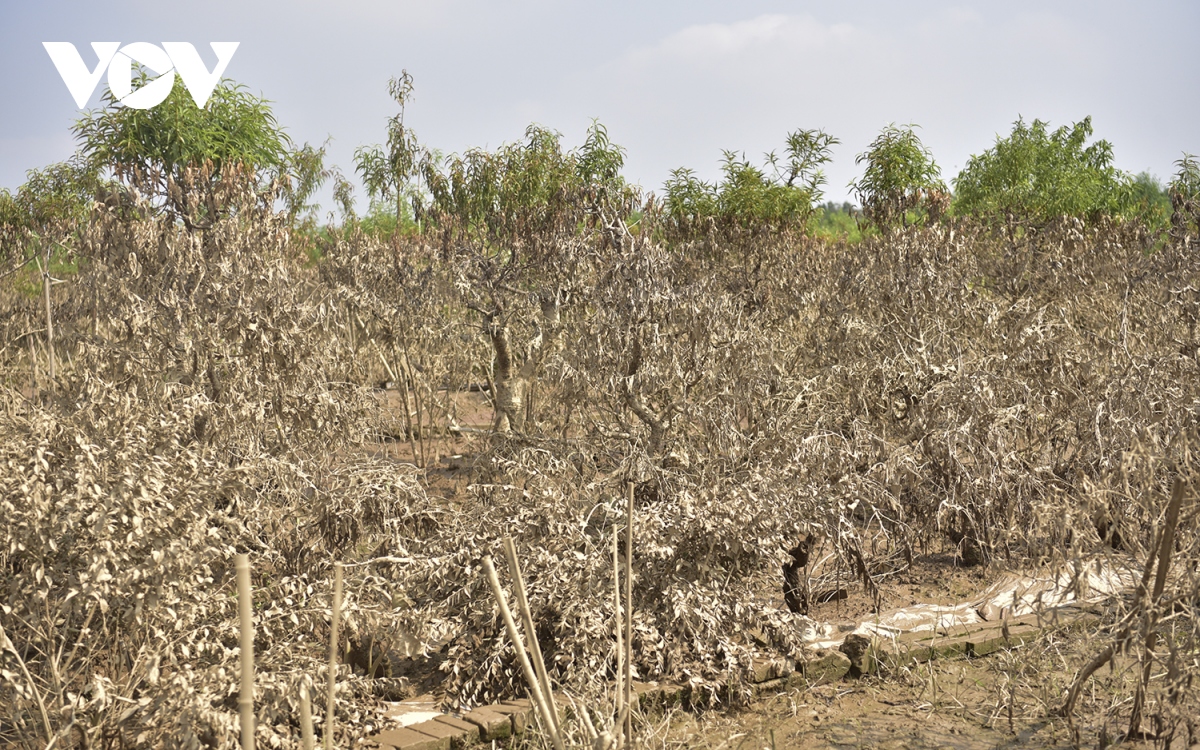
827	665
762	670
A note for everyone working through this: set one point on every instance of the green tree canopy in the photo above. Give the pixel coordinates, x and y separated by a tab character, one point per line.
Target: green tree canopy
1149	200
901	176
750	200
1035	176
1184	193
177	143
61	191
391	172
524	196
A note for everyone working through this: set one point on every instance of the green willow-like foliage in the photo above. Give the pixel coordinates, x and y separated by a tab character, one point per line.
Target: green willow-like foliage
530	192
390	172
901	176
1184	194
1035	176
778	197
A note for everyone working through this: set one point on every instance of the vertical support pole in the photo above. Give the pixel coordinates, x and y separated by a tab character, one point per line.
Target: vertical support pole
629	621
49	319
306	721
619	627
246	615
335	617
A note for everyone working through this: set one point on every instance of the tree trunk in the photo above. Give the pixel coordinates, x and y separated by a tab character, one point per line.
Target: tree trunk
513	383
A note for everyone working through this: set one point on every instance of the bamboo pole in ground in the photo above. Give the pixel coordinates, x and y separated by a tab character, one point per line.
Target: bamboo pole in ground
535	691
306	722
246	615
45	272
33	367
619	627
539	666
629	621
335	616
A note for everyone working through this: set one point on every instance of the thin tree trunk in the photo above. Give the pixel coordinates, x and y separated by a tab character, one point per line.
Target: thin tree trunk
412	378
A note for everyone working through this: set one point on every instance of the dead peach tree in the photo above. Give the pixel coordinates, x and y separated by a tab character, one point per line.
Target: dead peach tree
522	227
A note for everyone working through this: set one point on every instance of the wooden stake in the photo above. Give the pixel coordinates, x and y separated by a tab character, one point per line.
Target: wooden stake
246	615
535	691
33	368
307	736
335	617
510	552
619	627
629	621
49	319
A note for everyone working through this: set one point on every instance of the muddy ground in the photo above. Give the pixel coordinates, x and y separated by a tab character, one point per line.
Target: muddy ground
1004	700
999	701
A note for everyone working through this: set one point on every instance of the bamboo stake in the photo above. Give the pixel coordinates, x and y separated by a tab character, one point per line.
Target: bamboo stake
510	552
45	272
306	720
530	677
629	620
33	367
246	615
335	616
619	627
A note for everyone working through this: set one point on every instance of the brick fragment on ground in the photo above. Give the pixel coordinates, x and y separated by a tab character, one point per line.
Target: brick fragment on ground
492	726
469	731
442	730
522	716
407	739
826	665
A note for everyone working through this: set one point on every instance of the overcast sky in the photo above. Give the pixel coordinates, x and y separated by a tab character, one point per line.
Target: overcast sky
675	83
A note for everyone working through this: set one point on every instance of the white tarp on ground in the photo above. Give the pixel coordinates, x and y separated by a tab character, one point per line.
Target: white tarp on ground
1013	595
407	713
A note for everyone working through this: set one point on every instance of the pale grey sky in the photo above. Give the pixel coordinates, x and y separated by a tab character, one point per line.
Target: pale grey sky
674	82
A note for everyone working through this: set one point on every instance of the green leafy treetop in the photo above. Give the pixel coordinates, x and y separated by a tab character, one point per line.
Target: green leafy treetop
1035	176
1184	192
181	155
517	202
60	192
901	177
1149	201
751	201
390	172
